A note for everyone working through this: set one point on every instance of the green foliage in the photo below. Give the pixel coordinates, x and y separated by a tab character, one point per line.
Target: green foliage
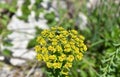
38	30
9	7
31	43
6	52
110	63
25	10
7	10
102	34
50	18
7	43
38	9
111	58
4	18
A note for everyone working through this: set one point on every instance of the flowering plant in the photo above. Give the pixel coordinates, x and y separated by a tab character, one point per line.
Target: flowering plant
58	48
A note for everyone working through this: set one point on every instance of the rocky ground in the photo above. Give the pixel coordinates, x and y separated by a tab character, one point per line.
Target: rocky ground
22	33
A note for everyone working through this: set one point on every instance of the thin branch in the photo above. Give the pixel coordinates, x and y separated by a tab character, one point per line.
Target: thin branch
62	20
32	70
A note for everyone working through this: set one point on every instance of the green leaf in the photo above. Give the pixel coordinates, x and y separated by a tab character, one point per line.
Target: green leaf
91	72
24	17
4	22
26	3
51	24
50	16
25	10
7	43
116	44
96	43
38	30
32	43
4	6
0	31
12	9
7	52
5	32
38	2
83	73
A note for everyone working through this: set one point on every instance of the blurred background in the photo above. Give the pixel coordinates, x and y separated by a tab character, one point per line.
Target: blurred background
21	21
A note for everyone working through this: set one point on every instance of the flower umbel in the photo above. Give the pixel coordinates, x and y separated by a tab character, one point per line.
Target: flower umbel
58	48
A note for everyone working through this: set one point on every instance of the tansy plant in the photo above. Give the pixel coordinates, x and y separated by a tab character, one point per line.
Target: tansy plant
59	48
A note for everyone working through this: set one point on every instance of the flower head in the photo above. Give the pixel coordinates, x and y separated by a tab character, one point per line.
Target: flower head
58	48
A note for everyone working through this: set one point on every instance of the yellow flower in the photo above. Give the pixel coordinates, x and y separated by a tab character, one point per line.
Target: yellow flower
45	32
71	43
60	28
73	36
70	58
68	65
73	47
54	43
39	57
51	48
81	49
57	37
51	35
59	48
74	32
81	44
57	65
76	50
63	41
41	40
62	57
82	37
84	47
44	50
64	71
49	65
37	48
45	58
67	48
79	56
61	36
77	39
54	40
53	28
65	33
81	41
52	57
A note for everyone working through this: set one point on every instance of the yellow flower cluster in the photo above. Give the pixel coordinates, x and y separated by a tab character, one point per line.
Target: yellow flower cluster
58	48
